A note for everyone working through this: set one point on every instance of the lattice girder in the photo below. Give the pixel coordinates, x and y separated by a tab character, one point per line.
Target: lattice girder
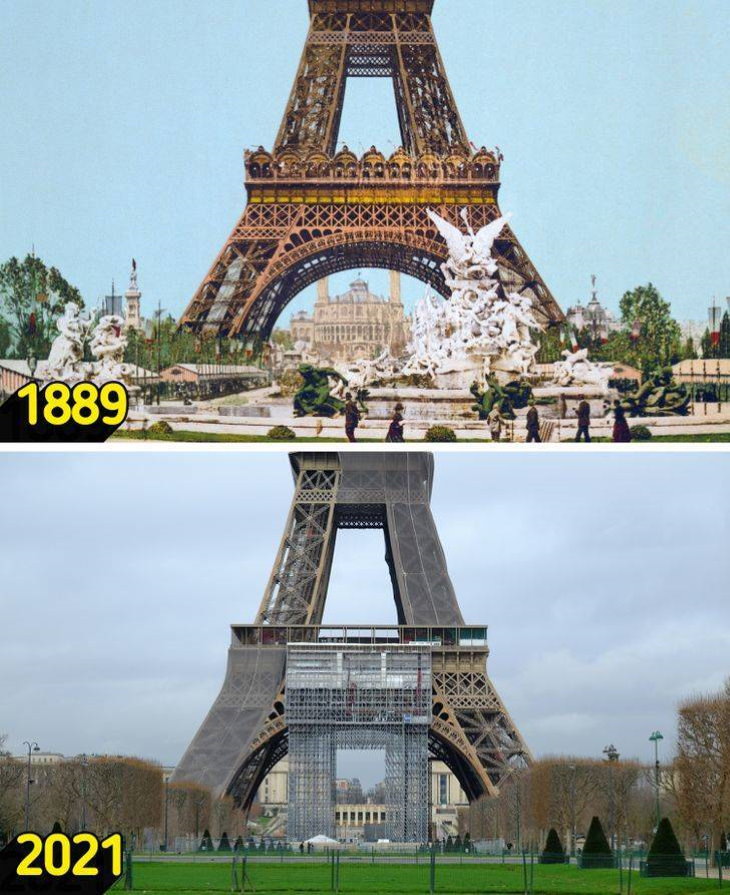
247	728
313	211
317	241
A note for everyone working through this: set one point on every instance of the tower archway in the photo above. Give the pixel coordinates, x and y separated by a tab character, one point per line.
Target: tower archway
311	205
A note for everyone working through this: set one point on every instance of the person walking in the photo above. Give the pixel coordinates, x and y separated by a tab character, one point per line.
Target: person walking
533	423
395	430
621	431
495	421
352	417
584	421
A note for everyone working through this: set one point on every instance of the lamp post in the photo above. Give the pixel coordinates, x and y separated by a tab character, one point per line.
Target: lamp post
572	810
612	754
32	747
84	765
167	793
654	738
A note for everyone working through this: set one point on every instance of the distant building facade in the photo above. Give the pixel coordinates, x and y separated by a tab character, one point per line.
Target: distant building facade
593	317
357	324
354	819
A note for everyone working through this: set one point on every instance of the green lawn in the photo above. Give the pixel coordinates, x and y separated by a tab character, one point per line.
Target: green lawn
184	435
366	877
709	438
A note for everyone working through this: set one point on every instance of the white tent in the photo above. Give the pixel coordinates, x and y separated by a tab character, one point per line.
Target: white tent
322	840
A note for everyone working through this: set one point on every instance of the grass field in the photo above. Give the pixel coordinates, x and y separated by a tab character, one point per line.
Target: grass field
184	435
176	878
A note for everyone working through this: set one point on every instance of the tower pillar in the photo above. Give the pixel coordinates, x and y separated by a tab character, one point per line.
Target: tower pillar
132	301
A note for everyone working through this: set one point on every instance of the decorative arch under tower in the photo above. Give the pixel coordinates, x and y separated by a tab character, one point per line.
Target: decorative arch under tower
246	733
314	211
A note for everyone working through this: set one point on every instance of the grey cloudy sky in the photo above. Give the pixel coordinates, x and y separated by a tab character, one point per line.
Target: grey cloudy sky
603	578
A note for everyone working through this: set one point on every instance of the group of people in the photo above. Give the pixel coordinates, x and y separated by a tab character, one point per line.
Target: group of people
495	421
621	431
353	417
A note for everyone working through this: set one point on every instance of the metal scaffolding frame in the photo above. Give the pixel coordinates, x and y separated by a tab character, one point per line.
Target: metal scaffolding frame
359	696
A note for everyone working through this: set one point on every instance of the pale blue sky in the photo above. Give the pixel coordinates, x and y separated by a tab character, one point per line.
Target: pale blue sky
124	122
603	581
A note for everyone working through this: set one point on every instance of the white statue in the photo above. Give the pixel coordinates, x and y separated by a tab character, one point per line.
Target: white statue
107	346
65	360
576	369
481	328
364	372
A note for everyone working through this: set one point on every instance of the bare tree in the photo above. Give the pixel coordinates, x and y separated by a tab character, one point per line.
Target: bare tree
703	765
11	792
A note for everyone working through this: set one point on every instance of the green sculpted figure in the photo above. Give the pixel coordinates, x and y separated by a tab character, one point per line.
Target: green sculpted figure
314	397
660	395
506	399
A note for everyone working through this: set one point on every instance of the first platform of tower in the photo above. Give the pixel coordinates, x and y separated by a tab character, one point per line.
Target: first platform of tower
318	6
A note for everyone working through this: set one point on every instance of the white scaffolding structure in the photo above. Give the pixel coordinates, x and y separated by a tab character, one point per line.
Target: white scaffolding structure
358	696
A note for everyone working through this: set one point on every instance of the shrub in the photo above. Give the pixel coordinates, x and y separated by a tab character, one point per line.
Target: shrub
206	843
281	433
553	853
160	428
440	433
665	856
640	433
596	850
289	383
225	843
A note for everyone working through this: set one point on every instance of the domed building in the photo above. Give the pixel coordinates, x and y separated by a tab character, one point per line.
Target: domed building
593	317
357	324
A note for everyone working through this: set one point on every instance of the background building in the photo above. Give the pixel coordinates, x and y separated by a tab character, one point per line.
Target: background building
357	324
593	317
354	818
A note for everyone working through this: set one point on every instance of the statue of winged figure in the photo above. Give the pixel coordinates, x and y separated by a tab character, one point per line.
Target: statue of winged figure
481	327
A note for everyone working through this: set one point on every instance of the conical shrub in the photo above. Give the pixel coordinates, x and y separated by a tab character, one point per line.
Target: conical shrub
596	850
206	843
225	843
553	853
665	856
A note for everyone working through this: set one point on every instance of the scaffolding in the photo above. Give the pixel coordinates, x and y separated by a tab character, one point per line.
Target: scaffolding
358	696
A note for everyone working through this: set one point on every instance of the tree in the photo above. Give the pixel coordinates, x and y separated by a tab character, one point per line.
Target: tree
282	338
11	799
596	850
665	857
5	337
553	853
723	346
32	296
659	340
689	351
550	345
703	765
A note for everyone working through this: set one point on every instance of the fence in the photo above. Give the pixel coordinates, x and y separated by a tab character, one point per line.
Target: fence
422	871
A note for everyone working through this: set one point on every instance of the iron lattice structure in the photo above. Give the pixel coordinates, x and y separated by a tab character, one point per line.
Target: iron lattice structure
358	696
314	211
246	731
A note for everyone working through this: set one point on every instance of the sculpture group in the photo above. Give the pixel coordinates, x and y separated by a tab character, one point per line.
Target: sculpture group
106	342
481	334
